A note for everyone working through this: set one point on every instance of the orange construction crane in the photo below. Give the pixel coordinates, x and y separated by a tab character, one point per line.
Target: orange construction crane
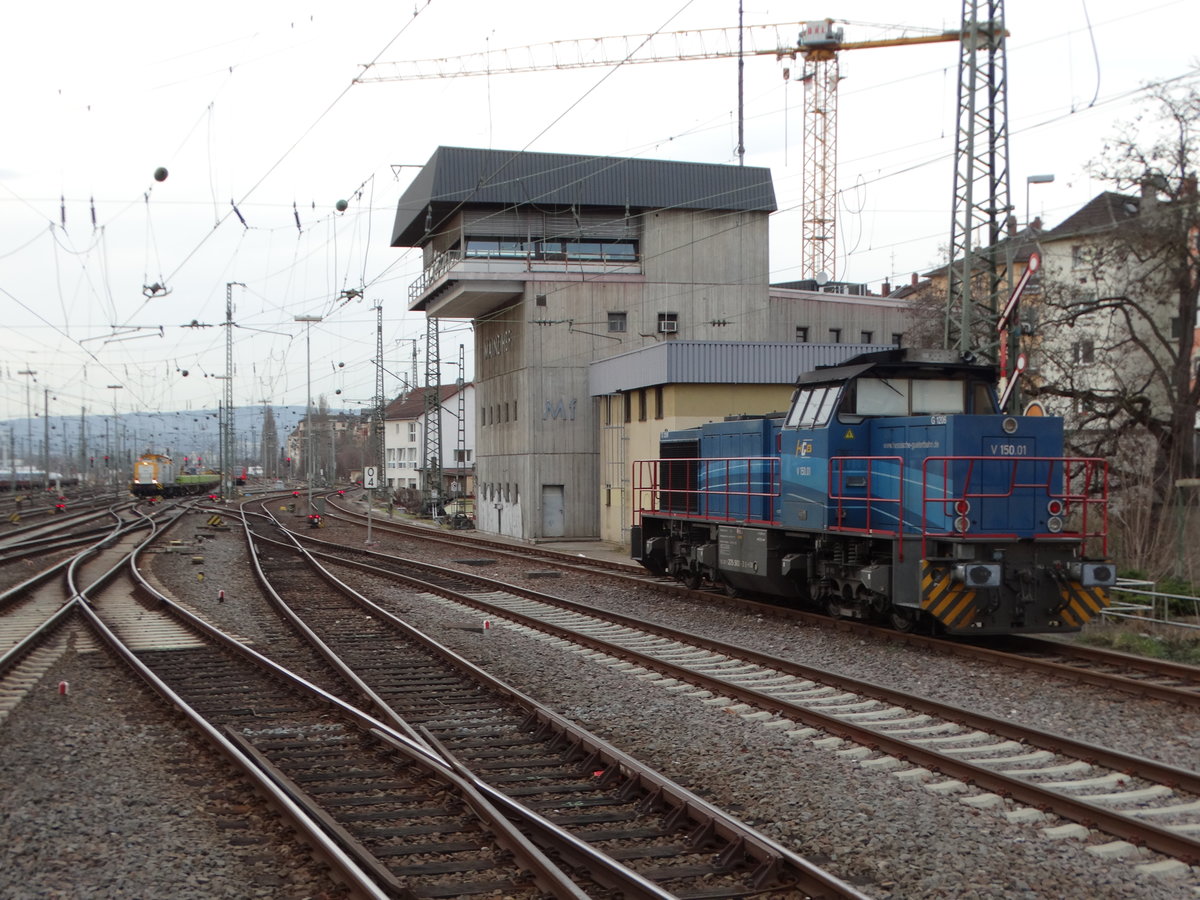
818	45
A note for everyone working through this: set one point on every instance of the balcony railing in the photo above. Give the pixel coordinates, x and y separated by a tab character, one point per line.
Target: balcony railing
513	263
438	266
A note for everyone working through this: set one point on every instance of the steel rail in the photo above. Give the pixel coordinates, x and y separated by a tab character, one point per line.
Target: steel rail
967	649
1159	839
813	879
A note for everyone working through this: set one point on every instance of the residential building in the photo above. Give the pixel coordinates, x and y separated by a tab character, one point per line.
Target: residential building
405	427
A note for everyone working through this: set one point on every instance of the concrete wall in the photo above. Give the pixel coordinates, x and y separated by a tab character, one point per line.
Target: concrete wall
854	317
536	419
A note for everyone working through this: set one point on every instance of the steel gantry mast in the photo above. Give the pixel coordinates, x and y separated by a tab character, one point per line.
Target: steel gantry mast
380	402
981	182
432	488
460	461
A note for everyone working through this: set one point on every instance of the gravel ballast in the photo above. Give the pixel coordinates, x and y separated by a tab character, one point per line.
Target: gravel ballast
891	838
104	793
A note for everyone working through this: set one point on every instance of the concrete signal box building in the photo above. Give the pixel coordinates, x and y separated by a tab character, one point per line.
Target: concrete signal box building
562	260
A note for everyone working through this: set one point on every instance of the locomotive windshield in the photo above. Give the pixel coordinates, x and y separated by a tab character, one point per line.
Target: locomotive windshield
813	406
905	396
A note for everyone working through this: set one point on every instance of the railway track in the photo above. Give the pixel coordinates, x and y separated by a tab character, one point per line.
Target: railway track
603	798
299	743
1111	670
1120	794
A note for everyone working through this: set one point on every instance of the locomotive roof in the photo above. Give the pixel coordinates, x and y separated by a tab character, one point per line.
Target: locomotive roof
900	362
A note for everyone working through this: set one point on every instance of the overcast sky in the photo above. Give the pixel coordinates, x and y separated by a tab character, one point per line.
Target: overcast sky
256	103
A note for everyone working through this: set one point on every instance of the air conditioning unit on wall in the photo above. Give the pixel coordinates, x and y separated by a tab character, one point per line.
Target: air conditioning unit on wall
668	327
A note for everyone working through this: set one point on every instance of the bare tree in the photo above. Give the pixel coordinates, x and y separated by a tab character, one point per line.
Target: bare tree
1116	321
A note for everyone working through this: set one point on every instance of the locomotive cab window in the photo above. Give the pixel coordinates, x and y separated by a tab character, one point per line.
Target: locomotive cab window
813	407
909	396
984	399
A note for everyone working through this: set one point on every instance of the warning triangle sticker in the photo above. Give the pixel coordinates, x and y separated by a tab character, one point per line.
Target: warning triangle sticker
849	435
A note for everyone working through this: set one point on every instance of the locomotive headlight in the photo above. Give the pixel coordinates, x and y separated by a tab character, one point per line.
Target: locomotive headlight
1055	507
1054	524
1009	425
962	524
978	574
1094	574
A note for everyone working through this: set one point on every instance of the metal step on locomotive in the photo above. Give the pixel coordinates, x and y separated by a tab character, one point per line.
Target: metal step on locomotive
893	489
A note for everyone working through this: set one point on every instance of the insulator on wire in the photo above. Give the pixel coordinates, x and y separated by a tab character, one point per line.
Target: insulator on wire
296	213
238	213
62	200
92	201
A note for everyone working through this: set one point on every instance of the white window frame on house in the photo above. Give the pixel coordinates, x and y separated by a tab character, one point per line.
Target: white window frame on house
617	322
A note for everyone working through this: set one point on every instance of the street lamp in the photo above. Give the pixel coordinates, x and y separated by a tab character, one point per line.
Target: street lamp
308	430
1034	179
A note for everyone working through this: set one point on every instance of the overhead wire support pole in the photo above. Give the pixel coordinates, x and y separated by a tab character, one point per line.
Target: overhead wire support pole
308	425
378	438
227	435
461	447
981	177
433	417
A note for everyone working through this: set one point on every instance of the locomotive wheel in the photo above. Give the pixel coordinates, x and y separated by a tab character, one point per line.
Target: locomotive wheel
833	606
903	619
691	580
730	590
654	566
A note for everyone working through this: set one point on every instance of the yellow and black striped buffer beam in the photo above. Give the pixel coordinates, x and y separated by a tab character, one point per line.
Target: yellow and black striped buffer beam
946	598
1081	604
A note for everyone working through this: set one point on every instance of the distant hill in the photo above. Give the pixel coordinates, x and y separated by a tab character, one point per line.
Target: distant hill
177	433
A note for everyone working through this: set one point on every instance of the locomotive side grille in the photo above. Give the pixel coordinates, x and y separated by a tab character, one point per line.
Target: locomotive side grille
678	476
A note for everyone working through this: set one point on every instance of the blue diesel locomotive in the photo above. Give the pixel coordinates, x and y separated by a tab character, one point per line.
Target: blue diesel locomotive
894	489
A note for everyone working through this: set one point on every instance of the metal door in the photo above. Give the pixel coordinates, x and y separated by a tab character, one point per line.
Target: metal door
553	511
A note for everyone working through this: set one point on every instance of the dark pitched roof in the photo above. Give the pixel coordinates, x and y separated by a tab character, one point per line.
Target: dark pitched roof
1022	244
454	176
412	404
1102	212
